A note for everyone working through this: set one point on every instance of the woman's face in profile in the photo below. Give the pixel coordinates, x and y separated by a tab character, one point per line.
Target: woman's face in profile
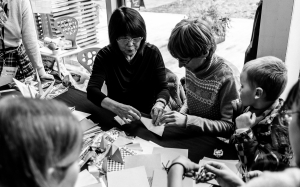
129	45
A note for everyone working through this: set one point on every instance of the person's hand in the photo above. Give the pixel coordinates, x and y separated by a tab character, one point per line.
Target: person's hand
254	174
245	120
224	176
126	113
156	112
173	118
190	166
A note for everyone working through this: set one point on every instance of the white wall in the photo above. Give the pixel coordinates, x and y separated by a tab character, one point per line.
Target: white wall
280	35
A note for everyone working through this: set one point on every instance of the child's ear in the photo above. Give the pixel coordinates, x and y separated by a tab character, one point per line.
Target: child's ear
258	93
54	177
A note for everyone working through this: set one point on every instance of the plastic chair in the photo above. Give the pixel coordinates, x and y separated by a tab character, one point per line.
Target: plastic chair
68	26
87	56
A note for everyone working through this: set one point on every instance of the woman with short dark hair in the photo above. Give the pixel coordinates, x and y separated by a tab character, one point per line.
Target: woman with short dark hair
132	69
210	81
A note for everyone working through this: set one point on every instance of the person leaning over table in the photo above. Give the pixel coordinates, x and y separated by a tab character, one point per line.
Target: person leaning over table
210	81
290	177
132	69
20	39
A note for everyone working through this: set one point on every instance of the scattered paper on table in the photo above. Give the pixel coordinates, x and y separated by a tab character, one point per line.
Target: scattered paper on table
160	178
169	154
121	141
119	120
135	147
24	89
133	177
85	178
146	145
151	162
80	115
159	130
87	124
95	185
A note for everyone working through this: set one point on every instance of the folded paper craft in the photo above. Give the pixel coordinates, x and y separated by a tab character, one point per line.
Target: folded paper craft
115	154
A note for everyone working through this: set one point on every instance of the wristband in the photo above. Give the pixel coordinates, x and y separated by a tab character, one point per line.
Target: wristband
162	101
184	169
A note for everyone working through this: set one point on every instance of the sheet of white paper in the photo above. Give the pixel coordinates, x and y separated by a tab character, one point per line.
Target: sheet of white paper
119	120
121	141
160	178
135	147
80	115
5	80
159	130
169	154
85	178
146	145
24	89
133	177
151	162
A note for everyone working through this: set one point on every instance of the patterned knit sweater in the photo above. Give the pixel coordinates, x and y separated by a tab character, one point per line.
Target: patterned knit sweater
209	95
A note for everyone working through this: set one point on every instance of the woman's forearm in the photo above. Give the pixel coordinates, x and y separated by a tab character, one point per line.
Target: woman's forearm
175	176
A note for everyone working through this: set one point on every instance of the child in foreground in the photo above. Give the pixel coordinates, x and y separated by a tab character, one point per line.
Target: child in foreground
261	134
226	177
40	143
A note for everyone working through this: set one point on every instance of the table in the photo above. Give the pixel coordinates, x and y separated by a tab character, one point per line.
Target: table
61	54
173	137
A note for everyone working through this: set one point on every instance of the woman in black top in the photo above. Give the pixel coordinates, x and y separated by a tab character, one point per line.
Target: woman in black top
132	69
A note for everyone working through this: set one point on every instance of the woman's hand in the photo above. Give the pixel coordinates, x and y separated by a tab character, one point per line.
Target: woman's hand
156	112
126	113
224	176
174	118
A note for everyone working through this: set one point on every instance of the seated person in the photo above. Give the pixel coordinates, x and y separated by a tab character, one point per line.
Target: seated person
132	69
177	99
226	177
210	81
261	135
40	143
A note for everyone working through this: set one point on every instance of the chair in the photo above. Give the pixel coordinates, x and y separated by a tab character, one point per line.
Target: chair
86	57
68	26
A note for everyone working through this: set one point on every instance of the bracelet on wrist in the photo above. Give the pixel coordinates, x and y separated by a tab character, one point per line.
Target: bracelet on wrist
184	169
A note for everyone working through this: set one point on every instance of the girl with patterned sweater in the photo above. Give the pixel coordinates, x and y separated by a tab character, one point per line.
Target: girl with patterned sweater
210	81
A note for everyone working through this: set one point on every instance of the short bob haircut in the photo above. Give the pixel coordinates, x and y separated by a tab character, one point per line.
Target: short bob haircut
34	136
269	73
126	21
192	38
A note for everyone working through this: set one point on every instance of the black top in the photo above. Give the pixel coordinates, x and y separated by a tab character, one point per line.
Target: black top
137	83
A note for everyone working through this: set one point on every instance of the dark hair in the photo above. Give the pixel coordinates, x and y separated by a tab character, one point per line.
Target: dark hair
126	21
269	73
34	136
293	98
192	38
